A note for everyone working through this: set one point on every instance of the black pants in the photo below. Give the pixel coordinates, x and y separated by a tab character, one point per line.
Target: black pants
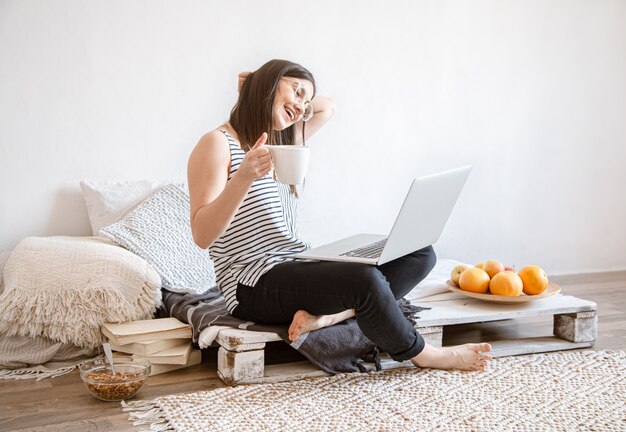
326	288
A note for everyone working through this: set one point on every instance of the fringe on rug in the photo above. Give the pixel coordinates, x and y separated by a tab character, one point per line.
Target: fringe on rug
40	372
34	373
147	413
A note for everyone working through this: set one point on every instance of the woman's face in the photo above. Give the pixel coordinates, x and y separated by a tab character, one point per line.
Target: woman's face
293	95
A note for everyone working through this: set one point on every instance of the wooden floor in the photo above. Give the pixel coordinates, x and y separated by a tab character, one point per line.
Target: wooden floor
63	403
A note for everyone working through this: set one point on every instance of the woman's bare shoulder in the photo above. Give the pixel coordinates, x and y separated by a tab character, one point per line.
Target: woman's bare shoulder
214	138
212	144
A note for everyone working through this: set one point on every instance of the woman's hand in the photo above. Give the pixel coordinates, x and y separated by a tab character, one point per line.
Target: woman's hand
257	162
241	79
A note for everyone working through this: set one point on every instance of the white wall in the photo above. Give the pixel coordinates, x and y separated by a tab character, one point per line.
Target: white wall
532	93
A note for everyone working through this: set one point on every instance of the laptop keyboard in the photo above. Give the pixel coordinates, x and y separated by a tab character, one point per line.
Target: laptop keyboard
372	250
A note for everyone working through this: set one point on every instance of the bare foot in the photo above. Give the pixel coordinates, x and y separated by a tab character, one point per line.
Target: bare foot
464	357
305	322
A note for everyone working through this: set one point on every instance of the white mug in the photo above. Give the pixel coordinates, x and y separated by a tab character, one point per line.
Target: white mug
290	162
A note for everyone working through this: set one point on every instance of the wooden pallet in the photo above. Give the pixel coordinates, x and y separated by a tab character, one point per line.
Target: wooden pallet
241	354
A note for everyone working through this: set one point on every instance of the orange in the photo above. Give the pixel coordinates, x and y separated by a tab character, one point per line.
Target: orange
480	265
493	267
534	279
474	280
506	283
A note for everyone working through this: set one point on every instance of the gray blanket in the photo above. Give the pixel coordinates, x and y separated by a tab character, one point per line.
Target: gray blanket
336	349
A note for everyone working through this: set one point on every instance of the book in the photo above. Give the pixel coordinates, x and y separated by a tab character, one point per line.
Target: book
148	347
176	355
145	330
195	358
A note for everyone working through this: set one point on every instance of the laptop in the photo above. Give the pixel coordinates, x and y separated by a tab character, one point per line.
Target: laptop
420	222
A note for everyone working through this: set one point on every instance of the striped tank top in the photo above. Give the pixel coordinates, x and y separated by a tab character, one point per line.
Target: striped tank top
265	222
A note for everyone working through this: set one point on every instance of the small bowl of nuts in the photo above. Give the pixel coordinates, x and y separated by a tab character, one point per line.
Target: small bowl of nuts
129	377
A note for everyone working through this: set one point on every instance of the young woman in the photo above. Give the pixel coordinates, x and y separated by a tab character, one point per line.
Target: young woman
243	214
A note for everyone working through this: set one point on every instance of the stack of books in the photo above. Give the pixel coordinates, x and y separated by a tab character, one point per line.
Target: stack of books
166	342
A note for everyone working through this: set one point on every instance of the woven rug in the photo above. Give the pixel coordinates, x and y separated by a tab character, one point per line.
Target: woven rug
565	391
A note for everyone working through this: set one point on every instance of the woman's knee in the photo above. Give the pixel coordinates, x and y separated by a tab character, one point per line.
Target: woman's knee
424	261
429	258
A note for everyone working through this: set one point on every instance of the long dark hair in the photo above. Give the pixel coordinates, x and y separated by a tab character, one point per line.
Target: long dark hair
252	114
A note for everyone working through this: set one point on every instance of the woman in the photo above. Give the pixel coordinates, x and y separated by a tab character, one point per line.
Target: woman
248	220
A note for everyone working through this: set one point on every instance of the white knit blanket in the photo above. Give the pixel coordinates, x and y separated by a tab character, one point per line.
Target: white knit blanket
64	288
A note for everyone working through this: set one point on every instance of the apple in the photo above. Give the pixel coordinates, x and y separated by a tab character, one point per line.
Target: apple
509	268
455	274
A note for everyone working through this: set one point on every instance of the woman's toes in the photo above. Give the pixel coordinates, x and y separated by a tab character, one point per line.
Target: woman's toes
484	347
294	332
479	367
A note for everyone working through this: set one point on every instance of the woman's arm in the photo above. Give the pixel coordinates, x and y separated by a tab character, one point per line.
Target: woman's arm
214	200
323	110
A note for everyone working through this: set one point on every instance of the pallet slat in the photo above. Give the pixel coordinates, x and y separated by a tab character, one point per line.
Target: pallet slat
465	310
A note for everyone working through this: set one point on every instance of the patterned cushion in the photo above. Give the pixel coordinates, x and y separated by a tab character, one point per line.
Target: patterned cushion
158	230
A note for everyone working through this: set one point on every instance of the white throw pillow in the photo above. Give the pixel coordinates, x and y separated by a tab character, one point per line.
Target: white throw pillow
108	202
158	230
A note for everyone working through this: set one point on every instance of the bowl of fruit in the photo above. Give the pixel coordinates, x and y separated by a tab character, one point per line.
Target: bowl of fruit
494	282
